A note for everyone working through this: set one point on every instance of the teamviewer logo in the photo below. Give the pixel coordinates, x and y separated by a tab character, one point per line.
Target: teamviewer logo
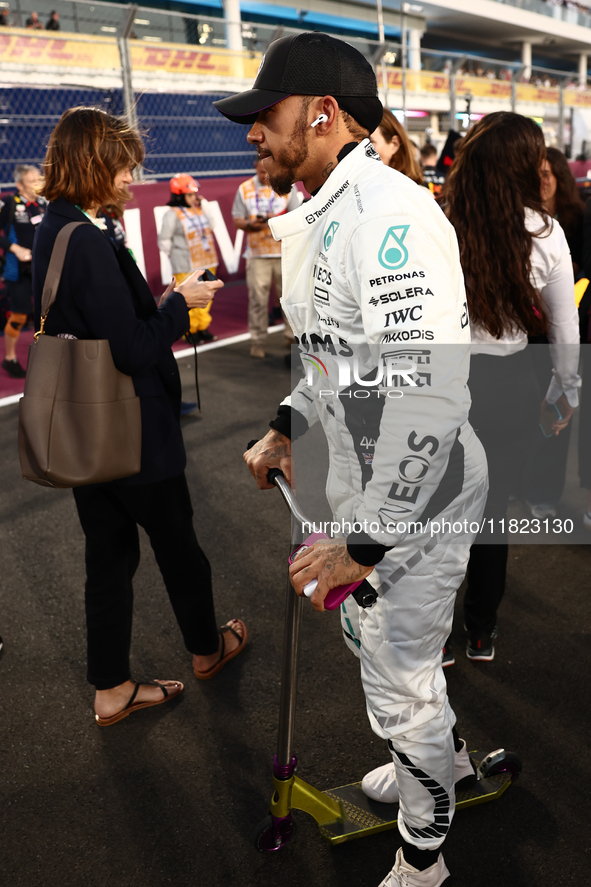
309	219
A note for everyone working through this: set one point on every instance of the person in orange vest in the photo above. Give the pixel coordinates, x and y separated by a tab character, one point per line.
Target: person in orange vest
187	239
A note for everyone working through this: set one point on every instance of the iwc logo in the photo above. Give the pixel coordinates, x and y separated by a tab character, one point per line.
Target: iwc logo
329	235
393	254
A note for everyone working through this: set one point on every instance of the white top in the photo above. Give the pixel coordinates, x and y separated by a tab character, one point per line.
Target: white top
552	276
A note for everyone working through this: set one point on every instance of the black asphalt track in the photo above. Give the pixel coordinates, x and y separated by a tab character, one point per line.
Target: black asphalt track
171	794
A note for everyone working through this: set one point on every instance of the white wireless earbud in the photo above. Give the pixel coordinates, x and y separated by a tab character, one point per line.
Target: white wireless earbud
321	119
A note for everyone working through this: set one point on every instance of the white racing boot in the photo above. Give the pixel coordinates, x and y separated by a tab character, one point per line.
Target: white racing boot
380	784
405	875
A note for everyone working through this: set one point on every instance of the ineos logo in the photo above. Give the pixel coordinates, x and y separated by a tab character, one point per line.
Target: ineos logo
413	469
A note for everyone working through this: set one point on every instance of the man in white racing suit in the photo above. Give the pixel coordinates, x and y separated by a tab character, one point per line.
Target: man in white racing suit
374	293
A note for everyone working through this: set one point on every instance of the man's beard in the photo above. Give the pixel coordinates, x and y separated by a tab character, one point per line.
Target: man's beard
291	158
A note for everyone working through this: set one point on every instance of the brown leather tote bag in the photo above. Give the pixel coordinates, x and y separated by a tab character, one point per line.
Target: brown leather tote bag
79	418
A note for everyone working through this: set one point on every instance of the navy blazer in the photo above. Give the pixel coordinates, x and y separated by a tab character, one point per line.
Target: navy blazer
103	295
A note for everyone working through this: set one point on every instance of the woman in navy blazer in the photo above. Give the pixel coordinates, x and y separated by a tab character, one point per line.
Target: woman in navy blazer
103	295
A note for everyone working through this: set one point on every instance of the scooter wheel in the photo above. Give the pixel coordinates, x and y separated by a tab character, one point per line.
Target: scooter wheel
500	761
267	838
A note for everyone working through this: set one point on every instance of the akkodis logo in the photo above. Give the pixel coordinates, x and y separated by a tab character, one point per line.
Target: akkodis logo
329	235
393	254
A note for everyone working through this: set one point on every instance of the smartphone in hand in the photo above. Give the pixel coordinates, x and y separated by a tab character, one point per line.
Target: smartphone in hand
207	275
550	415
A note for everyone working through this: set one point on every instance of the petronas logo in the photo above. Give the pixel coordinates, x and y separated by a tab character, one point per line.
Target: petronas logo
330	233
393	254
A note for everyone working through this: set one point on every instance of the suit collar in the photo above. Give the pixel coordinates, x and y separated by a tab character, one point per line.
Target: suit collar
62	207
143	298
323	205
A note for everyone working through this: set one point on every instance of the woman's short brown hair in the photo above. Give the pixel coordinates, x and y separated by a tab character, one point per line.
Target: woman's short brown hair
86	150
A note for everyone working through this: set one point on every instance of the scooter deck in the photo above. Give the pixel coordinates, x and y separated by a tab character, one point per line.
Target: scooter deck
366	817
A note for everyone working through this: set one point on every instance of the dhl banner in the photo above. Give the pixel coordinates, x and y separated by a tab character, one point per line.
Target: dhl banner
418	81
543	95
482	87
436	83
431	82
577	98
178	59
18	46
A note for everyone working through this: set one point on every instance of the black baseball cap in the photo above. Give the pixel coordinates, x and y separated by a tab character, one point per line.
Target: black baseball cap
310	64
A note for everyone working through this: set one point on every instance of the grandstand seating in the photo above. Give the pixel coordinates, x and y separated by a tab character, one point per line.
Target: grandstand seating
181	129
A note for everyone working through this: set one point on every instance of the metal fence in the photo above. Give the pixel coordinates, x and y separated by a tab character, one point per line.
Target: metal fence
98	18
183	133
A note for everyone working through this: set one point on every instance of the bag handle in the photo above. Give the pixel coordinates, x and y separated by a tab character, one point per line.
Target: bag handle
54	271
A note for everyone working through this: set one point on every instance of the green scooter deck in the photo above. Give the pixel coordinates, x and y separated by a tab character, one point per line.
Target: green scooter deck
366	817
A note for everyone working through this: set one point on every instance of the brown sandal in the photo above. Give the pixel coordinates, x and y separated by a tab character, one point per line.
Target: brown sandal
223	659
131	706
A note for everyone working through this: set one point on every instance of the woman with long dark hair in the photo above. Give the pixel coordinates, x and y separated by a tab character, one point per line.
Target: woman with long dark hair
563	202
519	283
394	147
545	470
103	295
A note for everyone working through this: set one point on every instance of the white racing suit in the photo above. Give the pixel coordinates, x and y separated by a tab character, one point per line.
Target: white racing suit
371	272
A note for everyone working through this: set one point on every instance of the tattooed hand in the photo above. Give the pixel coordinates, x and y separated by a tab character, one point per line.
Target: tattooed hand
330	563
273	451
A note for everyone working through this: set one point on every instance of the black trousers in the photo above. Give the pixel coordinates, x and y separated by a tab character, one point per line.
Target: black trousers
504	413
20	295
585	419
109	515
545	469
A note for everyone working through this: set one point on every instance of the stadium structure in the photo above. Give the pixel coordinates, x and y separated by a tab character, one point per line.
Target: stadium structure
440	65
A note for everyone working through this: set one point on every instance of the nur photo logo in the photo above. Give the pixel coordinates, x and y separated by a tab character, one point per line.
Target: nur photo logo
314	363
390	371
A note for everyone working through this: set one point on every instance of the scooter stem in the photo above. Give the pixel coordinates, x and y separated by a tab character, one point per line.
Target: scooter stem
291	501
289	676
291	640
